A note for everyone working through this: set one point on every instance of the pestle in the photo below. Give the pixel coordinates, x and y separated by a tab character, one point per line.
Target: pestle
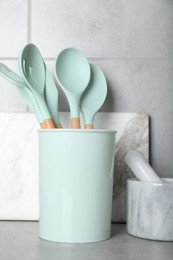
141	169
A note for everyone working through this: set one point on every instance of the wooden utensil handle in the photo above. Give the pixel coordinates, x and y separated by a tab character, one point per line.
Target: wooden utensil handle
75	123
59	126
48	123
88	126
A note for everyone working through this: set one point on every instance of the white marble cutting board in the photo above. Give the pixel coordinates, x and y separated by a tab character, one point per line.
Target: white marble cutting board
19	160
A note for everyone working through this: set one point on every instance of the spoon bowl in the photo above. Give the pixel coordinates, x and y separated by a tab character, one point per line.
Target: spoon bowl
32	68
72	71
94	95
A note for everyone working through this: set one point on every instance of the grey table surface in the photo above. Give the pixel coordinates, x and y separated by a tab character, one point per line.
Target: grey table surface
19	241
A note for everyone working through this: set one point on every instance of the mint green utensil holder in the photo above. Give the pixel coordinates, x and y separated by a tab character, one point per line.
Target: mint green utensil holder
76	184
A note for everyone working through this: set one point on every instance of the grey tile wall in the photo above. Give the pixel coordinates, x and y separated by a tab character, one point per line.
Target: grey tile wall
132	41
104	28
13	26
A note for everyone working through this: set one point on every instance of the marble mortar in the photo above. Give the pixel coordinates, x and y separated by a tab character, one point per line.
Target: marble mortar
150	209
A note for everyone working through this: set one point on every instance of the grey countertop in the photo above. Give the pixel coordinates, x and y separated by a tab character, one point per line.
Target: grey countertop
19	241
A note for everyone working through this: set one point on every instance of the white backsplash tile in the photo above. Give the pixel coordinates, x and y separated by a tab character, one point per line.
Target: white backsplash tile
13	27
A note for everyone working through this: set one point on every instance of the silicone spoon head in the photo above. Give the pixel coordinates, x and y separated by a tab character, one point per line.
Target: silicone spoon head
31	66
32	69
72	71
94	95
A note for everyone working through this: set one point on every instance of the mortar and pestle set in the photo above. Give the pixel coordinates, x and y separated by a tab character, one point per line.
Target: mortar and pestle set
149	201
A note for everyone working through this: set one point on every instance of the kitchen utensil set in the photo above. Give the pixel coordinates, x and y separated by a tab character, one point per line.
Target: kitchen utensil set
84	85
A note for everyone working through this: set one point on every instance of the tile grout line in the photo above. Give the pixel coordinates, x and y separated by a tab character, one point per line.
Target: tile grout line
8	58
116	59
94	58
29	22
133	58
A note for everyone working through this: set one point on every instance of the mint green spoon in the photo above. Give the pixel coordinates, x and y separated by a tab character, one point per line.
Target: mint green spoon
51	97
94	95
72	71
23	89
32	69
